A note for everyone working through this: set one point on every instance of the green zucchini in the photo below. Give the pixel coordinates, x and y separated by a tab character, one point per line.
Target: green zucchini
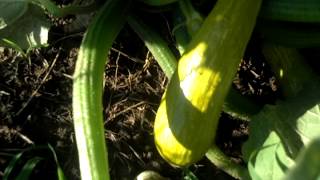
187	118
158	2
88	88
289	67
291	10
293	35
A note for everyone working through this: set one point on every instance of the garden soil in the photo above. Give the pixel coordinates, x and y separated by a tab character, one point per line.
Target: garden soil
36	96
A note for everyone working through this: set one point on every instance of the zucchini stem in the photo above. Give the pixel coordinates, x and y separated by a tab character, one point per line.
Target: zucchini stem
158	47
219	159
88	88
193	18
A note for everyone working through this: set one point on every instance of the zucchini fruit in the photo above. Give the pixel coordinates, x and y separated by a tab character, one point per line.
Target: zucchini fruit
187	118
293	35
158	2
88	88
291	10
289	67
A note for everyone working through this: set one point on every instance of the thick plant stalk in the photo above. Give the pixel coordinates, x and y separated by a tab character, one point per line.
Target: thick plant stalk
180	31
186	121
193	18
219	159
88	88
157	46
240	106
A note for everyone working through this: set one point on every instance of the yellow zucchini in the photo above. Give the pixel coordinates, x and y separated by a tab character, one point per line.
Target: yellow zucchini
186	121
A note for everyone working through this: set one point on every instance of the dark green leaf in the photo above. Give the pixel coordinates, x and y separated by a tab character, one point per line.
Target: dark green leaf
28	168
188	175
29	31
11	11
15	160
59	169
308	163
279	131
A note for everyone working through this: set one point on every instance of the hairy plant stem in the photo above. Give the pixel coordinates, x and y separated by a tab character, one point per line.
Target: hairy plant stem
219	159
88	88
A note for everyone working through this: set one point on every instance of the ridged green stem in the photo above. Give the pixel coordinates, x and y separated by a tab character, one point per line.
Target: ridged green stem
180	31
88	89
240	106
193	18
157	46
219	159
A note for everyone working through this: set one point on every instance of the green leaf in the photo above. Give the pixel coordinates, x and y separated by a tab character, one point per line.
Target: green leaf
14	46
59	169
28	159
308	163
189	175
11	11
28	168
279	131
269	161
15	160
18	160
29	31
